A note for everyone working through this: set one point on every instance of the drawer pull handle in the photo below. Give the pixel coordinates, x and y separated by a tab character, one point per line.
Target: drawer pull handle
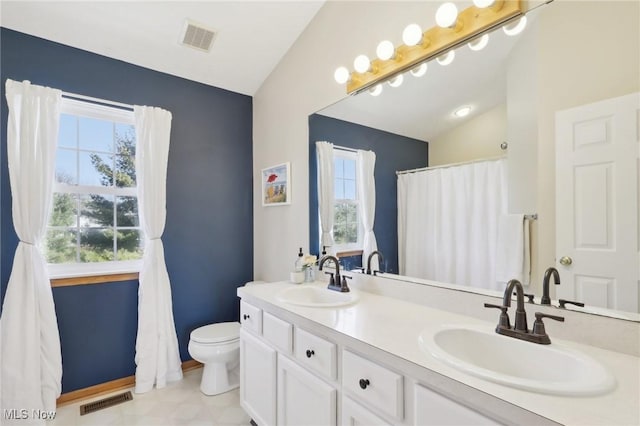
364	383
245	317
310	353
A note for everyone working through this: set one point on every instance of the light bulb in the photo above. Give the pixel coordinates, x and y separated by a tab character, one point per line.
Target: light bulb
341	75
483	3
446	15
446	58
412	35
515	28
479	43
396	81
462	111
385	50
362	63
420	70
376	90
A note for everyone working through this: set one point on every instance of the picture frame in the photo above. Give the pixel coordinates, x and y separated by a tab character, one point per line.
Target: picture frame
276	185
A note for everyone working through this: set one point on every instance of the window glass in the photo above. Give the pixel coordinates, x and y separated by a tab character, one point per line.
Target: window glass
346	224
94	217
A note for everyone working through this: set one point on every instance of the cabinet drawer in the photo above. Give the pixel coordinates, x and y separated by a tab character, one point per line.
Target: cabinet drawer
373	384
251	317
432	408
316	353
277	332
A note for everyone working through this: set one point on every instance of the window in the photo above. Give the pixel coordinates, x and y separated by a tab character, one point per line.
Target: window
347	230
94	217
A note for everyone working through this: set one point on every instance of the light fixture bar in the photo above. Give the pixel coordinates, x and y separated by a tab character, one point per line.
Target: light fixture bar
471	22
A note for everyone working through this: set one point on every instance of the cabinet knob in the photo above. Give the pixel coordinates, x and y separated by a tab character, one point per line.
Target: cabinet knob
310	353
364	383
245	317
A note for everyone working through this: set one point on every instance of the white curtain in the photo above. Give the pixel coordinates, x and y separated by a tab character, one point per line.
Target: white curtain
324	151
157	353
366	161
31	367
448	222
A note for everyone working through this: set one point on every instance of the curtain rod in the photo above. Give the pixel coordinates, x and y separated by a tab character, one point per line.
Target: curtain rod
421	169
344	148
96	100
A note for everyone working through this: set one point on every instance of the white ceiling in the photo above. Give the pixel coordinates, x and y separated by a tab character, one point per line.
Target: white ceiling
252	36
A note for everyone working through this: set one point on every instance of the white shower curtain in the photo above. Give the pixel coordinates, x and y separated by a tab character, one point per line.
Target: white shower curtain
366	161
448	222
324	151
157	353
31	362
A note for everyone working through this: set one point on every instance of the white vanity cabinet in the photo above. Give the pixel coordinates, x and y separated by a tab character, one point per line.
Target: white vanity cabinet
278	379
257	379
291	375
433	409
303	399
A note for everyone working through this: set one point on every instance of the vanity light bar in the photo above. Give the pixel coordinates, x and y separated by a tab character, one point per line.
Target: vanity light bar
470	23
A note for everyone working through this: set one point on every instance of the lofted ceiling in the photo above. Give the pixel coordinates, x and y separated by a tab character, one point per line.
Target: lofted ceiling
251	36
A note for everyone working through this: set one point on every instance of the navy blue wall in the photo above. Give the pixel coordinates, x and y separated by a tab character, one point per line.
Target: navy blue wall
393	153
209	232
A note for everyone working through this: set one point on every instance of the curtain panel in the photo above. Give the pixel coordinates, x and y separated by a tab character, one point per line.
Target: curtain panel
30	357
326	199
157	354
366	163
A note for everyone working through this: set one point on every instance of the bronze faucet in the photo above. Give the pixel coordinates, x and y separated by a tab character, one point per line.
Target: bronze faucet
380	261
334	283
520	329
546	300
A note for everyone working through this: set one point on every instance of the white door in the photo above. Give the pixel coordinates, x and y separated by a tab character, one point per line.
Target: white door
257	379
597	203
303	399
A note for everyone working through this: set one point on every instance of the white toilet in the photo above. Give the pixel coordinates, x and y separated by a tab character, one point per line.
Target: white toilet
217	346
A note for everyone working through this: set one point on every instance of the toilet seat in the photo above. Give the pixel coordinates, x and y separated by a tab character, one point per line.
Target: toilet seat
222	332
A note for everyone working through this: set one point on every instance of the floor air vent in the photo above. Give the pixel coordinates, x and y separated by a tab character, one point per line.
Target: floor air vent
105	403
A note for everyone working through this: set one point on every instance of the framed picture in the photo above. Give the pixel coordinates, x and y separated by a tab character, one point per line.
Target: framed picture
276	185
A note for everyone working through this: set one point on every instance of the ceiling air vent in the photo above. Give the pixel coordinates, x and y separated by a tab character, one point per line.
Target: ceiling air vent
197	36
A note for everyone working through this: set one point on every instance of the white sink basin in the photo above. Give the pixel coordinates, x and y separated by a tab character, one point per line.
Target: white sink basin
551	369
316	296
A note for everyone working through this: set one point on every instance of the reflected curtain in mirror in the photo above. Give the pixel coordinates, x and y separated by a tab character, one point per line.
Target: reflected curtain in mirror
448	222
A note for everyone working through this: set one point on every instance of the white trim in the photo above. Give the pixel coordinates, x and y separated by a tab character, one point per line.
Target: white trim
87	189
101	112
71	270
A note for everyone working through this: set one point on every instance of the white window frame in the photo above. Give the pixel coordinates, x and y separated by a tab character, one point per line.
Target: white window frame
70	270
358	245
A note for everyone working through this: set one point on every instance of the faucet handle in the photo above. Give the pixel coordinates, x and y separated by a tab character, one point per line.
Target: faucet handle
504	317
538	325
343	285
332	280
564	302
530	297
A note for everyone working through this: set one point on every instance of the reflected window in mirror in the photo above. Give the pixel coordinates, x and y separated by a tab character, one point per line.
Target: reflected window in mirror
347	226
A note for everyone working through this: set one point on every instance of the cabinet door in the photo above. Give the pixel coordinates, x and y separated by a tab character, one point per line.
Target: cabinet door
353	414
257	379
303	399
432	408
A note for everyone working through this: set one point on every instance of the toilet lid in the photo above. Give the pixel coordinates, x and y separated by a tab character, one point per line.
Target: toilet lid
216	333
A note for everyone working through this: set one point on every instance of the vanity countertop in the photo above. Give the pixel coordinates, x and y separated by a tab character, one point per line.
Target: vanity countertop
393	326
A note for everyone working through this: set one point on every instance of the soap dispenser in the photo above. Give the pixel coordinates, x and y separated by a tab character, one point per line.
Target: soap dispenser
298	263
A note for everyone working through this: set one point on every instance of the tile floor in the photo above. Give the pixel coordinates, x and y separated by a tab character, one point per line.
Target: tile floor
180	403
